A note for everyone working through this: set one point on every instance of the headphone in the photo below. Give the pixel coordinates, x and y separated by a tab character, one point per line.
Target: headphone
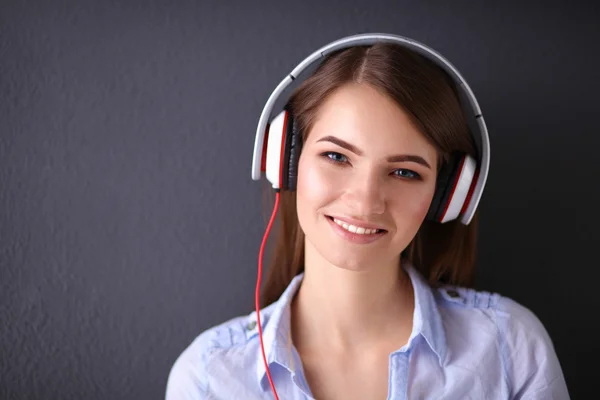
460	182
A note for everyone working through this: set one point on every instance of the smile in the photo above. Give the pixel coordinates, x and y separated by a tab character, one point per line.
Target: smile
354	233
355	229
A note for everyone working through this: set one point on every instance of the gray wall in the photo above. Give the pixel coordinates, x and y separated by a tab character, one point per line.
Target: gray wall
128	219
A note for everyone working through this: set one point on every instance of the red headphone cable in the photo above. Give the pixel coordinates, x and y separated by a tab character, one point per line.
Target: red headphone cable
257	294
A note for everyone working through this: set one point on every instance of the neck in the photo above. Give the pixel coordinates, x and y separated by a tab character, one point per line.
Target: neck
348	310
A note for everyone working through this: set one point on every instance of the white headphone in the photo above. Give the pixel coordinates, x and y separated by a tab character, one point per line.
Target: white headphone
459	185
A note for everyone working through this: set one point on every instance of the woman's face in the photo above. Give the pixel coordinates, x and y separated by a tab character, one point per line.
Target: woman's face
364	165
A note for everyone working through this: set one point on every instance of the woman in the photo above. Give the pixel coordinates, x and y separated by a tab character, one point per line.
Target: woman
367	295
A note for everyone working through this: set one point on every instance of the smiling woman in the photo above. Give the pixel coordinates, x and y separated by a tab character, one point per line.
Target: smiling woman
396	113
379	162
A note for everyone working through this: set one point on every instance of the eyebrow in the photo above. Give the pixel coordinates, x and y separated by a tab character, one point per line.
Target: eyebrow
397	158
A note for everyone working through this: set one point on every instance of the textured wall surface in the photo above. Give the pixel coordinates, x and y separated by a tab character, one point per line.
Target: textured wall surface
128	219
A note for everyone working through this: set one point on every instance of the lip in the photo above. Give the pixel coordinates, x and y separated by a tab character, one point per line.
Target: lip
354	237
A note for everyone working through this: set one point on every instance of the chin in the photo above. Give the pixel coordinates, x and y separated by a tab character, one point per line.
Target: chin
348	264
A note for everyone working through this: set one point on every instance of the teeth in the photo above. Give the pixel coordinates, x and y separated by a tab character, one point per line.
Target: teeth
355	229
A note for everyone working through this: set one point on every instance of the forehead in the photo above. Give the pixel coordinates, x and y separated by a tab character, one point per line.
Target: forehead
362	115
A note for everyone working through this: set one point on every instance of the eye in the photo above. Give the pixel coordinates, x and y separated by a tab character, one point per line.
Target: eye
336	157
407	174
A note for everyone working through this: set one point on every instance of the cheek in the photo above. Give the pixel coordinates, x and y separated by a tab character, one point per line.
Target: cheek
423	205
313	185
421	212
311	194
415	206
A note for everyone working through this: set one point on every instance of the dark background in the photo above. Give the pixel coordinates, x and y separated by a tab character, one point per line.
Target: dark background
129	222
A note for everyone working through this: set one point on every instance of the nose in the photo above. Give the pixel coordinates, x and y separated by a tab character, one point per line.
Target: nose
365	194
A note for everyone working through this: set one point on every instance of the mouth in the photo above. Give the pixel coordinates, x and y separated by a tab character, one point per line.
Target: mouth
356	229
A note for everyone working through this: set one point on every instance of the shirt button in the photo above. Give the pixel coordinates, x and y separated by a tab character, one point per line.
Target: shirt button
251	325
453	293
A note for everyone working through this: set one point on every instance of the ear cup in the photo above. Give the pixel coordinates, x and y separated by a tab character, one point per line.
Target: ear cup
276	153
283	151
295	148
455	181
445	175
458	193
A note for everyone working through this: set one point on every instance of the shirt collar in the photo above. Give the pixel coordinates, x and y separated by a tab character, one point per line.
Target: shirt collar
427	323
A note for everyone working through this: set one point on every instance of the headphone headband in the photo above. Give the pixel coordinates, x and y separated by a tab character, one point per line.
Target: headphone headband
474	112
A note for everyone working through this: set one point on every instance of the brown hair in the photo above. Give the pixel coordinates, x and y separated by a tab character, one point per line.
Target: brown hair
443	253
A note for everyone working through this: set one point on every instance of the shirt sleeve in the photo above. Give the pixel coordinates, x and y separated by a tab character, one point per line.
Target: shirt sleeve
531	364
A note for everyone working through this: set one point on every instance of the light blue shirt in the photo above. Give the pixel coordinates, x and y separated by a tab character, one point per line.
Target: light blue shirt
465	344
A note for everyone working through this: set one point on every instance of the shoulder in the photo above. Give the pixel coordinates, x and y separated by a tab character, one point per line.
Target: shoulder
513	321
189	375
525	351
